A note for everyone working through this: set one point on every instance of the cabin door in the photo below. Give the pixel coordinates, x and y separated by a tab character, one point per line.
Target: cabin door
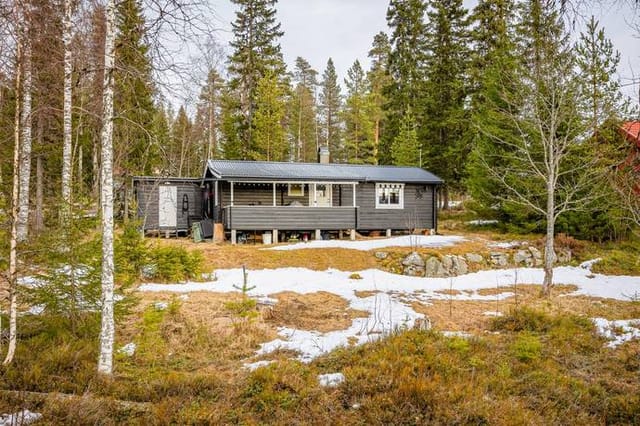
322	195
168	206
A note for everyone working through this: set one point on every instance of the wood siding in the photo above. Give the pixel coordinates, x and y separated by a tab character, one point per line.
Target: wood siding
417	211
289	218
147	199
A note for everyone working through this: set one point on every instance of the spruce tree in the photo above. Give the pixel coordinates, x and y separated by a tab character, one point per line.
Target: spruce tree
256	51
330	110
405	18
379	79
133	99
446	120
598	62
303	120
358	134
270	135
405	147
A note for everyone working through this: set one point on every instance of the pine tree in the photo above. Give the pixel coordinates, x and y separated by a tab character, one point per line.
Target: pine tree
304	123
256	51
598	62
133	101
270	135
181	144
405	18
330	110
446	120
358	134
379	79
405	148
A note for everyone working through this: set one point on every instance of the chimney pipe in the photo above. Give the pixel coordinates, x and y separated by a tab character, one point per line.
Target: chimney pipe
323	155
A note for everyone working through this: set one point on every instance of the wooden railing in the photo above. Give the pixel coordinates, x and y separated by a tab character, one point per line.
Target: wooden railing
290	218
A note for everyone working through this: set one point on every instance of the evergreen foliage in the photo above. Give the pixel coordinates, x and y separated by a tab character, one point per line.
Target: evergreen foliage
256	51
330	107
268	121
406	150
358	133
379	79
303	120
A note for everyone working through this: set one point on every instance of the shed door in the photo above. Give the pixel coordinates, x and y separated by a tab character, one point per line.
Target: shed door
168	206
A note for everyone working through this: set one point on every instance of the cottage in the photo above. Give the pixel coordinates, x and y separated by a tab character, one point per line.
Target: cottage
275	197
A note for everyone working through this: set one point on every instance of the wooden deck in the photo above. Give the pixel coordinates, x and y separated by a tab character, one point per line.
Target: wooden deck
290	218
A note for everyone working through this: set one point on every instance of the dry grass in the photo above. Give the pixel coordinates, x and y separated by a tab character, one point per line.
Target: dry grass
365	293
319	311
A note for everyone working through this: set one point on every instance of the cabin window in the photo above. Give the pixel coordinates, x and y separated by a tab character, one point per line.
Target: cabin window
389	196
296	190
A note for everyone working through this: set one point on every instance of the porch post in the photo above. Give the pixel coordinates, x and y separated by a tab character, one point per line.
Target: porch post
275	236
234	240
216	202
354	195
274	194
315	195
231	193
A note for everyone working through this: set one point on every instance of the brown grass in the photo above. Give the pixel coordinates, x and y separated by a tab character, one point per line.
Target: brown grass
319	311
365	293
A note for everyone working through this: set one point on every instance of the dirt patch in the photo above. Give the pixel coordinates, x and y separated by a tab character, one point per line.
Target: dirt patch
449	292
365	293
319	311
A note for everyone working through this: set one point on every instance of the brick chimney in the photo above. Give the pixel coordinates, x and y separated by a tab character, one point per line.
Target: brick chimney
323	155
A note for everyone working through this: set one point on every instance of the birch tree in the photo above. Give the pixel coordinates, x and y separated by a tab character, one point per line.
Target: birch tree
13	245
540	155
105	361
25	125
66	120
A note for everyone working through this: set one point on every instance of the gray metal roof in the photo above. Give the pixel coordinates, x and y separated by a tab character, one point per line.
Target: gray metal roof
274	171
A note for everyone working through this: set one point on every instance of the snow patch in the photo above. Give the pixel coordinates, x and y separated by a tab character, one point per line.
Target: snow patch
589	263
129	349
492	314
365	245
460	334
330	380
255	365
161	306
507	244
482	222
617	331
24	417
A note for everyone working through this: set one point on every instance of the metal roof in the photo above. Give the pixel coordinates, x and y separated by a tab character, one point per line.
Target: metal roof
274	171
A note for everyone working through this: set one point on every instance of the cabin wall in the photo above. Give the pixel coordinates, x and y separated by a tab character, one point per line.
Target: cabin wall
148	210
417	211
262	195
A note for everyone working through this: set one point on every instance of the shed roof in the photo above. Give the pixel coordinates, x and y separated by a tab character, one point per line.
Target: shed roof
631	130
276	171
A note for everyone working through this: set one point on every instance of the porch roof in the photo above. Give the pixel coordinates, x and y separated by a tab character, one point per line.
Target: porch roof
275	171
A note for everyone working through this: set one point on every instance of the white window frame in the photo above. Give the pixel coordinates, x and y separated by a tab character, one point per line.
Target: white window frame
382	185
295	193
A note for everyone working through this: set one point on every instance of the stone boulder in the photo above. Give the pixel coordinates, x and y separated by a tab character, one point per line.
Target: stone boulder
537	256
523	257
474	258
414	265
460	266
434	268
499	258
381	255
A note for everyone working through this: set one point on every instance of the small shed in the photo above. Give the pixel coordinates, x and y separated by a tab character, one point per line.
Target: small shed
168	205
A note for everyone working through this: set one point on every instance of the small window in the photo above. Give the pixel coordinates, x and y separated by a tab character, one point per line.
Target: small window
296	190
389	196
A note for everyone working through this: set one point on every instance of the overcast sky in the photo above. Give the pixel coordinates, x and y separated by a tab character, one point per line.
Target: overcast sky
344	30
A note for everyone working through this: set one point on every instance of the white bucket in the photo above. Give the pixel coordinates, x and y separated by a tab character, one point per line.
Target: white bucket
266	238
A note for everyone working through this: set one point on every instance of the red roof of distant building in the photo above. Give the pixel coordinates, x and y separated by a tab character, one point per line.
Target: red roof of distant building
631	130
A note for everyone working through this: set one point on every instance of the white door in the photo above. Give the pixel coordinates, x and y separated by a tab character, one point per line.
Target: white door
168	206
322	195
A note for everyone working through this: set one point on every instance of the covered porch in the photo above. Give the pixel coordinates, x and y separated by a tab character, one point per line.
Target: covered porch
315	206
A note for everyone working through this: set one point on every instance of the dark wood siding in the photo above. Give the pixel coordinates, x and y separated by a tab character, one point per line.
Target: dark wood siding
262	195
289	218
147	198
417	211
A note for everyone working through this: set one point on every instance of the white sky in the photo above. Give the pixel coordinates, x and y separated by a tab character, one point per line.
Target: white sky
344	30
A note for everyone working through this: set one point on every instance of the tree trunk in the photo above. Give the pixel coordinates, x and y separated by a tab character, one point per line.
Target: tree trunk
66	108
212	121
39	219
13	244
105	361
95	190
549	254
25	146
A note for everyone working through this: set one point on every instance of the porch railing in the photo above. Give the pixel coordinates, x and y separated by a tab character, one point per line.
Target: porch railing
290	217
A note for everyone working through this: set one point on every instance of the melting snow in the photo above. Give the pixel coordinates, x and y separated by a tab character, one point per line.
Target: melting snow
24	417
390	307
129	349
617	331
507	245
481	222
365	245
330	380
255	365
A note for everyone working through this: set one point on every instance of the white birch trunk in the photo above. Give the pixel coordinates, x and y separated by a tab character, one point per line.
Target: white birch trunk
105	361
25	146
66	108
13	245
549	253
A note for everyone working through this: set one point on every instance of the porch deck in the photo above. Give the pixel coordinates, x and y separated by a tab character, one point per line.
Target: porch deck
290	218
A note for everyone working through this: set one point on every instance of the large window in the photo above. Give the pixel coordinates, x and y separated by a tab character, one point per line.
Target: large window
389	195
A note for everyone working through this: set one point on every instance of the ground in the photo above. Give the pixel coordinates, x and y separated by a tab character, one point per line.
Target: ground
220	357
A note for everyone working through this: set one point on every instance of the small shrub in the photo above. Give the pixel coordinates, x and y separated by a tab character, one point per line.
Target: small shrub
175	264
355	276
523	319
527	348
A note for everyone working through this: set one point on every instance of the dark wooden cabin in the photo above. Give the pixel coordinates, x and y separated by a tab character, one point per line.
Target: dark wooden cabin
275	197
